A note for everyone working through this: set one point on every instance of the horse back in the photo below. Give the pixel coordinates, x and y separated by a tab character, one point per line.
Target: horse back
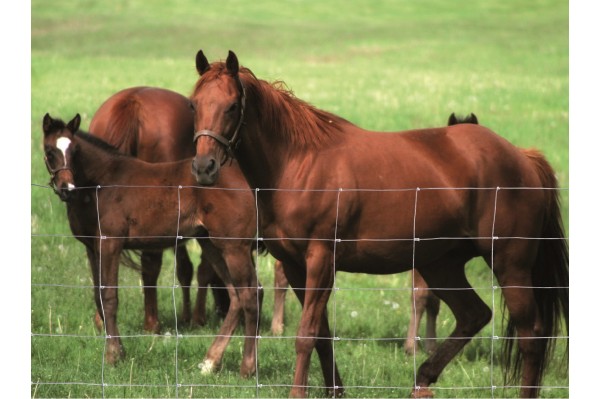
153	124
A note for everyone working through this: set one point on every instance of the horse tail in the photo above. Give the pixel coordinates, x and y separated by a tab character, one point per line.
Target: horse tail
550	274
128	260
124	126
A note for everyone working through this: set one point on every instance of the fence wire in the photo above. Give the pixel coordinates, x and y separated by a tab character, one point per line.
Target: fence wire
182	389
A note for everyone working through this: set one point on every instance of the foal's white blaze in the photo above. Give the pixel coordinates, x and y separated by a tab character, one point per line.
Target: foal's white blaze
63	144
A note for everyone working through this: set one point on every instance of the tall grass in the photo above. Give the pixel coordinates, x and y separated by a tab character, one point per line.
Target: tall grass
383	65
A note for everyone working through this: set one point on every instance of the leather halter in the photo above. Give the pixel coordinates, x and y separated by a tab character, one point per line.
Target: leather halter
53	172
229	144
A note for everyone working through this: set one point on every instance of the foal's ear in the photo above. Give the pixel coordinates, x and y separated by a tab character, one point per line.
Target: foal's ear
232	63
202	64
47	123
73	125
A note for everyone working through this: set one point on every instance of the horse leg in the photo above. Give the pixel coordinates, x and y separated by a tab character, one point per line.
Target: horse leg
185	272
151	265
314	329
280	288
220	295
203	275
214	355
433	309
108	296
242	272
419	297
470	312
93	261
525	317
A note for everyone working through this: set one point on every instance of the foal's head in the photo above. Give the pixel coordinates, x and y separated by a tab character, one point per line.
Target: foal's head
58	151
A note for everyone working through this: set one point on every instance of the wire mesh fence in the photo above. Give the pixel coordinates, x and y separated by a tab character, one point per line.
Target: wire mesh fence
367	316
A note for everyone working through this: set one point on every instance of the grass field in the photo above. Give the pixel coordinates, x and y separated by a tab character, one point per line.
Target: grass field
387	65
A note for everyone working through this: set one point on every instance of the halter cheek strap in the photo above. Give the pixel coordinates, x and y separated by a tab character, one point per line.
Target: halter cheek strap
231	144
53	173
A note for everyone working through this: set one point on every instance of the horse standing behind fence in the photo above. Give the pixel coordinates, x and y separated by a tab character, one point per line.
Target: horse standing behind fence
335	197
156	125
120	202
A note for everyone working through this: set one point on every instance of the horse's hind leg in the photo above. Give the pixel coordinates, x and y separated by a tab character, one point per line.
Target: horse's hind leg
419	298
516	283
280	289
471	314
432	309
151	265
185	273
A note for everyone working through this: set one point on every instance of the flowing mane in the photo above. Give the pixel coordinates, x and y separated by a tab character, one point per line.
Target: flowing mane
295	121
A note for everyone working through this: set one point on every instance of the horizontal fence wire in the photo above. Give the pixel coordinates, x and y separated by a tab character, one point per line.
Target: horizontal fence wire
180	388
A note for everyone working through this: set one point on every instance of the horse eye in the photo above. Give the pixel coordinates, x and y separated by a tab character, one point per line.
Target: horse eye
232	108
49	155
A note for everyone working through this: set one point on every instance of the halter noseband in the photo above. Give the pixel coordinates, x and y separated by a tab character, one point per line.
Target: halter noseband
230	145
53	172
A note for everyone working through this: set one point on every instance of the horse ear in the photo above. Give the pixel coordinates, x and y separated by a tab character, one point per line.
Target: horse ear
73	125
473	119
47	123
202	64
232	63
452	120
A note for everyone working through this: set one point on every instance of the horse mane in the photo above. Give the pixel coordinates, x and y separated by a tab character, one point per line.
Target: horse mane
295	121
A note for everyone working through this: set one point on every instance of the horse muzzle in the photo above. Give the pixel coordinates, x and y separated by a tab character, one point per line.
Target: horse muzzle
205	169
65	191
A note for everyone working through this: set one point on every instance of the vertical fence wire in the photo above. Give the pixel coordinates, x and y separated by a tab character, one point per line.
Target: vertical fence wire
175	265
100	288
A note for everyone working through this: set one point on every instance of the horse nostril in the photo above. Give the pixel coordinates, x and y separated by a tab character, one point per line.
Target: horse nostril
212	165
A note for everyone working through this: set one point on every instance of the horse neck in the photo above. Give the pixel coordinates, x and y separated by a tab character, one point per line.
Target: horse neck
94	165
261	162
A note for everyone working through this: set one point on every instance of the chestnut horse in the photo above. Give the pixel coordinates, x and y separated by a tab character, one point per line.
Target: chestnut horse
423	300
120	202
335	197
156	125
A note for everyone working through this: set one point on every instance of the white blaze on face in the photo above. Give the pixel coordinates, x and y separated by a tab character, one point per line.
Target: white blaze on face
63	144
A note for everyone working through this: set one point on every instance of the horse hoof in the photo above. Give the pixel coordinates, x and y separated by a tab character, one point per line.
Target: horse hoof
247	372
207	367
421	392
113	355
277	329
152	327
337	392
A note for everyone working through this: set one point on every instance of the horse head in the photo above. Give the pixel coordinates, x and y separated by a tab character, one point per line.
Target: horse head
58	151
218	102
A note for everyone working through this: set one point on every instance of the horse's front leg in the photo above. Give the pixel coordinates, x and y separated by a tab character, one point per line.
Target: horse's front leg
280	288
151	265
313	323
110	250
214	355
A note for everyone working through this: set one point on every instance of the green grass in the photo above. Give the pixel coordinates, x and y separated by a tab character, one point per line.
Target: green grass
384	65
